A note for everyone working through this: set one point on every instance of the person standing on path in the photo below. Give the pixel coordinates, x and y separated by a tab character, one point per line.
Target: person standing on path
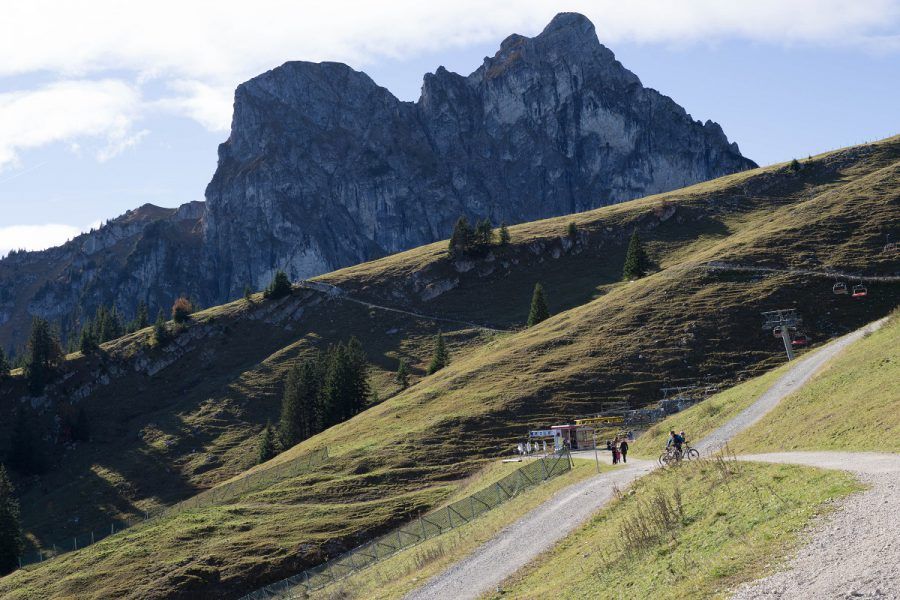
623	448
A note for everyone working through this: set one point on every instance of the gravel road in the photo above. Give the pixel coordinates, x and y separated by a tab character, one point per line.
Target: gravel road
520	543
787	384
854	553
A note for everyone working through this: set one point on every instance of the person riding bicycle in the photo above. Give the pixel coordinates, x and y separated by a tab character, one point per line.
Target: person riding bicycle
675	440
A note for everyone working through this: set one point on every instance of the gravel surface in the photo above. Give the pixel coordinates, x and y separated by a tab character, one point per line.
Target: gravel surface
520	543
786	385
855	552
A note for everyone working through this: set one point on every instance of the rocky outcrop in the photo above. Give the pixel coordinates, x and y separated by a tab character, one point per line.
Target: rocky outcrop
324	169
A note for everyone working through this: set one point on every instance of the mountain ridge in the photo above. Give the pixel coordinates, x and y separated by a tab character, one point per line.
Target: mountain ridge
324	168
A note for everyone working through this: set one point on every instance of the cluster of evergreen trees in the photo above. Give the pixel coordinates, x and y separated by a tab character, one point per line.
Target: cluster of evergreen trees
106	324
320	391
474	241
43	357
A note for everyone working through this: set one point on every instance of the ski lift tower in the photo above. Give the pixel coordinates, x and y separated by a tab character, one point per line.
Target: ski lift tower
783	320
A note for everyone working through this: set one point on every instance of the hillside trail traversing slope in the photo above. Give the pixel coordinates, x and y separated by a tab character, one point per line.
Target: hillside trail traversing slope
520	543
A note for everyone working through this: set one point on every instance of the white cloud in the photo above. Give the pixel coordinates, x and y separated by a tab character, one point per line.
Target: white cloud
35	237
200	50
66	111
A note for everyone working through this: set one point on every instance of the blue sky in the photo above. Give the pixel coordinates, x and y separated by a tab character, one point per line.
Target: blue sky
107	108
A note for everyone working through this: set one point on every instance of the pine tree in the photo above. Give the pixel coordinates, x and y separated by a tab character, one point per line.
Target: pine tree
461	239
359	377
484	236
11	539
25	452
268	446
440	358
88	344
181	310
795	165
572	230
4	365
44	356
141	317
538	310
279	288
504	235
299	405
636	262
160	330
402	376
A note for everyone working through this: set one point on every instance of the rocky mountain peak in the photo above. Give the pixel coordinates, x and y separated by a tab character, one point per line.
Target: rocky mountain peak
324	168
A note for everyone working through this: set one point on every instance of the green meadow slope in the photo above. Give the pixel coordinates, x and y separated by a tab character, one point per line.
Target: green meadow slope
172	423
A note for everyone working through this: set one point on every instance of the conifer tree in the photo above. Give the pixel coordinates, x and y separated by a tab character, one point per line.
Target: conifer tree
572	230
299	405
440	358
11	539
44	355
636	262
279	288
160	330
88	344
484	235
461	239
337	388
268	446
402	377
359	377
538	310
141	317
504	234
4	365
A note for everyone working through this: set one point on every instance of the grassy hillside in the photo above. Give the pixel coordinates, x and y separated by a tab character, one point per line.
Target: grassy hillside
609	341
853	404
707	527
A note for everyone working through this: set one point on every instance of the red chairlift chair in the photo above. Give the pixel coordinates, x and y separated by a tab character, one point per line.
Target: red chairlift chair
859	291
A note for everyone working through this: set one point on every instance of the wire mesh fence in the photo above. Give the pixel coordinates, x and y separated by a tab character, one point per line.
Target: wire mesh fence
217	495
424	527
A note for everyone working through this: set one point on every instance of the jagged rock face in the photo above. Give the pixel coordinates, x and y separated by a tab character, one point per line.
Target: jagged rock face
149	254
324	168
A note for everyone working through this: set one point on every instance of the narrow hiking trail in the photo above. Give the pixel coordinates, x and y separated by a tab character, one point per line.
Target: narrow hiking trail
520	543
336	292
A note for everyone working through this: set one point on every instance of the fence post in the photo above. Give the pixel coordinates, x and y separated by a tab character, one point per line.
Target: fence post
92	536
112	528
422	525
450	517
544	467
74	543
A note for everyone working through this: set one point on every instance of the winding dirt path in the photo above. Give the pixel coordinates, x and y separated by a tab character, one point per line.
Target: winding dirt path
520	543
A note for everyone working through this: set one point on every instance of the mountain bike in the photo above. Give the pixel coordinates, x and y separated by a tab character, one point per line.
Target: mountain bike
672	455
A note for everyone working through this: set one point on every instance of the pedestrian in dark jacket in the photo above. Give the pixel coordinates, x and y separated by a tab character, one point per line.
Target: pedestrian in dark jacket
623	448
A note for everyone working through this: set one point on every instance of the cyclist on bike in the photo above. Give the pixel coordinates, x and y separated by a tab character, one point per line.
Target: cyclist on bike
675	440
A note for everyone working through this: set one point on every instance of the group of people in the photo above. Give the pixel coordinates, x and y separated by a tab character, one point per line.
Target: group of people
619	449
531	448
